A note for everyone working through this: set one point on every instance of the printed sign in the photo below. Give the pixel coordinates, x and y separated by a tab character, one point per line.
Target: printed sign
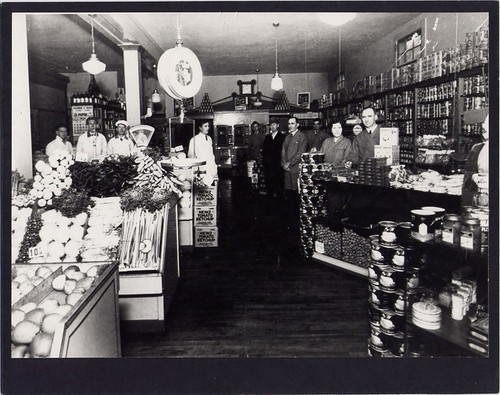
206	237
205	216
205	196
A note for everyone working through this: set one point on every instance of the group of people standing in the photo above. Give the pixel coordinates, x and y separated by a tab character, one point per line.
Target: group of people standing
281	153
92	145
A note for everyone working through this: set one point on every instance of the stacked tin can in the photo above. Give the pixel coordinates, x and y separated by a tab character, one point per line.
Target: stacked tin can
312	200
393	282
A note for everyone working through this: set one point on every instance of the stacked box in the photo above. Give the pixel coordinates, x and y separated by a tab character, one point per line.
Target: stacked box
374	171
205	216
386	81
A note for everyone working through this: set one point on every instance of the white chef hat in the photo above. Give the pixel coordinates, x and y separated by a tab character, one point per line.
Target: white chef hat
121	122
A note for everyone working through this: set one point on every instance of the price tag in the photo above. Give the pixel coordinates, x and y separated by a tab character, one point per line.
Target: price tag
319	247
341	179
35	252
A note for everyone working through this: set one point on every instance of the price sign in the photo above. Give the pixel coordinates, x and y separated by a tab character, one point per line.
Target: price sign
319	247
35	252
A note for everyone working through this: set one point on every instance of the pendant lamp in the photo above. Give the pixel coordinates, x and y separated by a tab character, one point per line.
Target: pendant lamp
276	82
155	97
93	65
257	103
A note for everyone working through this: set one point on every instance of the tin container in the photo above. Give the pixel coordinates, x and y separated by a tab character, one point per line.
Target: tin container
306	157
376	352
387	232
451	229
318	157
398	259
470	234
466	211
374	314
438	221
390	322
412	280
403	233
381	253
390	280
422	222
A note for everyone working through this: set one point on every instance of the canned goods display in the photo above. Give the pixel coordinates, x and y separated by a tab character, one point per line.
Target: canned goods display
387	232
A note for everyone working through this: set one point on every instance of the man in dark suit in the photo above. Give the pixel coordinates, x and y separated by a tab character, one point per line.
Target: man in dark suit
271	155
294	146
363	145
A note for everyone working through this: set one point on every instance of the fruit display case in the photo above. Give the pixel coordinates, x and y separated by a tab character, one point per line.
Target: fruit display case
72	313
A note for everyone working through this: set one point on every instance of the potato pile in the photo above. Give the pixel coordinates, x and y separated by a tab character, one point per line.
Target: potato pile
330	239
355	248
33	325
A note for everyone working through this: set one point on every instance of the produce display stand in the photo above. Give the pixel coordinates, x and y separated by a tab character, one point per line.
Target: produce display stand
145	295
185	167
91	329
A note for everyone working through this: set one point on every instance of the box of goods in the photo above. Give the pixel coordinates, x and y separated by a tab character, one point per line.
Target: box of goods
205	216
391	153
60	310
206	236
395	82
389	136
328	241
205	196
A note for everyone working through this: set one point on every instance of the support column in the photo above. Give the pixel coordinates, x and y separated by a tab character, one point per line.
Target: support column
133	82
21	118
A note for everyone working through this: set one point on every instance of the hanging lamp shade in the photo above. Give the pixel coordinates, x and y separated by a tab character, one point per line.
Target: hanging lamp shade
93	65
276	82
155	97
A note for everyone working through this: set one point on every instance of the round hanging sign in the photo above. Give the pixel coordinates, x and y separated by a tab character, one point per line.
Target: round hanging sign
179	71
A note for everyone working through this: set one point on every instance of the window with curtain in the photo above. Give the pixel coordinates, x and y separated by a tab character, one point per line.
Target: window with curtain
408	49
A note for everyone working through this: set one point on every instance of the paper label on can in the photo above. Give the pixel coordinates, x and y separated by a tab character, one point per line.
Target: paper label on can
319	247
422	229
467	240
447	236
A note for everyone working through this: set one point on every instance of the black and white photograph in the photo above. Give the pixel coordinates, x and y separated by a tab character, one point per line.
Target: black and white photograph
241	243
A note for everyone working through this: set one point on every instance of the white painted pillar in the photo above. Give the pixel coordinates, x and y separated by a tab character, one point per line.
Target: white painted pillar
133	82
21	118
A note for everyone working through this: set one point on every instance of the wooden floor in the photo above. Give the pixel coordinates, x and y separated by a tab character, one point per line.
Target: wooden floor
255	296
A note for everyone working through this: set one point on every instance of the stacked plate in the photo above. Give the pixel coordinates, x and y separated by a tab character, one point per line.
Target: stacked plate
426	315
180	73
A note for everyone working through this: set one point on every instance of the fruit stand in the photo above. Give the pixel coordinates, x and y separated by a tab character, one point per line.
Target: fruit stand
99	242
72	312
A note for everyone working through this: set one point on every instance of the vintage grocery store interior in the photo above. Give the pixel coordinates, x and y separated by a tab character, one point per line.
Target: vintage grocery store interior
158	254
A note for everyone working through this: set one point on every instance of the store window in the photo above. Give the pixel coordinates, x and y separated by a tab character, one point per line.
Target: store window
340	82
408	48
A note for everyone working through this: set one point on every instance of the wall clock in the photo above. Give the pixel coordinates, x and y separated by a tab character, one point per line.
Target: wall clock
246	87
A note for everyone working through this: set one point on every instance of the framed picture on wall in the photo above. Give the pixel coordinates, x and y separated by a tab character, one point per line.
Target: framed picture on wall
303	99
189	104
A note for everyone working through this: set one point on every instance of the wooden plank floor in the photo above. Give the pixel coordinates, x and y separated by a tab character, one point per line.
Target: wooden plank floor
255	296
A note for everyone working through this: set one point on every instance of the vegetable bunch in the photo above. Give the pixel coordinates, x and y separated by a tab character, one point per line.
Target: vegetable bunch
104	179
72	202
151	173
148	198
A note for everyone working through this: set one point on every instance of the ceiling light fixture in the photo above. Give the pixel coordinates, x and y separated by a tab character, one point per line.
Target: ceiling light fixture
337	18
93	65
155	97
276	82
257	103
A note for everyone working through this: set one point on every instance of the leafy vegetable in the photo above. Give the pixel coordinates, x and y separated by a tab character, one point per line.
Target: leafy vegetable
72	202
147	198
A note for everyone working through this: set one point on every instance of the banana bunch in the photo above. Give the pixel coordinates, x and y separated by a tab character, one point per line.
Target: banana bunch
150	173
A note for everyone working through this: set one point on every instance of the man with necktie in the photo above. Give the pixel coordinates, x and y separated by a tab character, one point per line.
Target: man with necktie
121	144
91	145
294	146
271	158
363	145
